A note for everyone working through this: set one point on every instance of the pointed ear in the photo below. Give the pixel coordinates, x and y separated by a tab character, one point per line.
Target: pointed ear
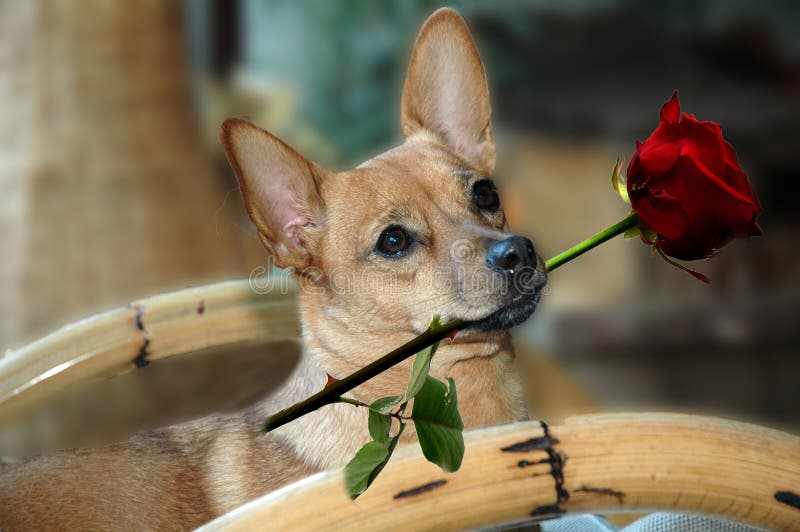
445	91
280	190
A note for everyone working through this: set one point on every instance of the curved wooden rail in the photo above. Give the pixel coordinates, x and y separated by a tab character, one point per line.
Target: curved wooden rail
591	464
146	330
511	473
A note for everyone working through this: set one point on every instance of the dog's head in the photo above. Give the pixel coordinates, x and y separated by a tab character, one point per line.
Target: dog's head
418	230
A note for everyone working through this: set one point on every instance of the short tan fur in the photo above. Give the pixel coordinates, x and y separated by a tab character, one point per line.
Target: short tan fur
324	224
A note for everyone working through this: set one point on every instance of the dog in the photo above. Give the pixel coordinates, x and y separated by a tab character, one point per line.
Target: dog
377	251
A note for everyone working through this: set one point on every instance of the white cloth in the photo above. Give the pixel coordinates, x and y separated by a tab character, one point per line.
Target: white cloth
657	522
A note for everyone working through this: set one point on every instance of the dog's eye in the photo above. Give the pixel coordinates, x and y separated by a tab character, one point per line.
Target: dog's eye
394	241
485	196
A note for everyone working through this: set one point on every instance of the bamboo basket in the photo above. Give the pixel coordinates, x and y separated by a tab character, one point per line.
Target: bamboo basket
108	191
142	332
511	473
526	472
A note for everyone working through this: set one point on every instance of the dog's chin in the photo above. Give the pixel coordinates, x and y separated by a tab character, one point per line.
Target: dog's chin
509	315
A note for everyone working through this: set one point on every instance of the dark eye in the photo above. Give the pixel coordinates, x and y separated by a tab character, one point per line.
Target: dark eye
485	196
394	241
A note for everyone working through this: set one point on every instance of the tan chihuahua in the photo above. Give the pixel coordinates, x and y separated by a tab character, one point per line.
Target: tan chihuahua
377	251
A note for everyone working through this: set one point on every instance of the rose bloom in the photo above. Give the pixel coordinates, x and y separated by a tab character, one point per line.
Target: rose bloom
686	185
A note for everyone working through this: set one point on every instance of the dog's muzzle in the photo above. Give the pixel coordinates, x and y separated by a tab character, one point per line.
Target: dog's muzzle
516	259
511	255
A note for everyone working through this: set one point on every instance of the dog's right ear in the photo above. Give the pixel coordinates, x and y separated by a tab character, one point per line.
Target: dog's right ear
445	92
281	191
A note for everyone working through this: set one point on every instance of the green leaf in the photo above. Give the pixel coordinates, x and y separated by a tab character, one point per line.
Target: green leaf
422	364
619	183
379	425
438	423
633	232
384	405
419	370
648	233
365	466
368	462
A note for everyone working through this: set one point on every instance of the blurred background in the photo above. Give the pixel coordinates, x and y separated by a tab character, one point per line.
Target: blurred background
113	186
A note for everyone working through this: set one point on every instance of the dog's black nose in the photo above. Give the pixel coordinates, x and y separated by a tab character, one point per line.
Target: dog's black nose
511	254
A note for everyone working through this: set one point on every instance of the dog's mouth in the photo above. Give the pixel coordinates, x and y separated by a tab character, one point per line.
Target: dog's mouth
513	313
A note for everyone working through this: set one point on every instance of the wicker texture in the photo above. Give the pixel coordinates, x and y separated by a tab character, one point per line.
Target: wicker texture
105	190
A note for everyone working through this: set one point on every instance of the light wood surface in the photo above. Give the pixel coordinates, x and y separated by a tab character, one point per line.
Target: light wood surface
144	331
510	473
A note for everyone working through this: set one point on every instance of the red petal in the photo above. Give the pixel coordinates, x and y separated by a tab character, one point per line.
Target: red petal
656	157
730	154
708	125
661	212
736	176
632	169
671	111
722	185
689	247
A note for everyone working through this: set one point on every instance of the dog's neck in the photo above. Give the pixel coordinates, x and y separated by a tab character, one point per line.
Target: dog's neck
482	367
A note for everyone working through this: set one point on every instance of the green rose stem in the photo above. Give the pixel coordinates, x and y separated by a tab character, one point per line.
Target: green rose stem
592	242
333	392
336	388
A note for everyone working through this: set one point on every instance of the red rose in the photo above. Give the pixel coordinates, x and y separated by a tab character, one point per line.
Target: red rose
686	185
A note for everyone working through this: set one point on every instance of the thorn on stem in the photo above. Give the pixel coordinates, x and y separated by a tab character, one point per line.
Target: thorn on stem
331	380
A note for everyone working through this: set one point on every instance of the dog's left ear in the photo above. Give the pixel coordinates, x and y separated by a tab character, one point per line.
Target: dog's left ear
281	191
445	91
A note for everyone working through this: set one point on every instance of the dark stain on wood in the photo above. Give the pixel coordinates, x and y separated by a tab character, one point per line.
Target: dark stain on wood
527	463
533	444
556	460
420	489
788	497
138	319
201	306
547	511
602	491
140	360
